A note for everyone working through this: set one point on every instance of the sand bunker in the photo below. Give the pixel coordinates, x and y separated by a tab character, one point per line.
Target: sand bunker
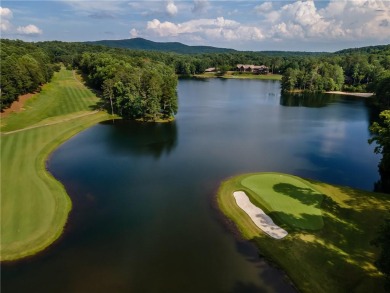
258	217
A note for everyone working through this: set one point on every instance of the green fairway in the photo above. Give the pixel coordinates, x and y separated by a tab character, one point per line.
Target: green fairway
289	200
64	95
34	206
336	258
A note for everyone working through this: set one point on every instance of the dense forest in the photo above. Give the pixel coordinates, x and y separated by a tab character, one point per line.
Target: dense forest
24	68
131	86
362	69
350	70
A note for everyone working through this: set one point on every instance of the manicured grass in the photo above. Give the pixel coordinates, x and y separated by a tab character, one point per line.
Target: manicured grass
64	95
236	75
336	258
287	199
34	206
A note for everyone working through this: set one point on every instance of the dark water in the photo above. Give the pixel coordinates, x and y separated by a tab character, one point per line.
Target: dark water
143	217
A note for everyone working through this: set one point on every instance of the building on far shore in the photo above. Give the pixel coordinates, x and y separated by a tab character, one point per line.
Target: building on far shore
257	69
211	69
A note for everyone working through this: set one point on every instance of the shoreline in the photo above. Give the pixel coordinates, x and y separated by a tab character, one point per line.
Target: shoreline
323	243
30	140
59	193
229	75
362	95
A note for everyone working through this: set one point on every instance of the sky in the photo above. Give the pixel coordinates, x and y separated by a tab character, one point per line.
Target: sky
252	25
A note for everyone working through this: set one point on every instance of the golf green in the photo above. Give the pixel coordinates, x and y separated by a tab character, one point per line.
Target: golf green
338	255
288	199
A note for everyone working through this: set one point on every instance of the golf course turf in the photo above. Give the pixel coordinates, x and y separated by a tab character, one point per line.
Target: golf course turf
329	250
35	206
293	202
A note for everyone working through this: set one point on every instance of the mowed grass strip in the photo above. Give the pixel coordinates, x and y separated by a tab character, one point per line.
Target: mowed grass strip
337	258
64	95
35	206
289	200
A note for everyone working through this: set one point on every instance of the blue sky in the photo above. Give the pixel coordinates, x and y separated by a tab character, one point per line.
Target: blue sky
244	25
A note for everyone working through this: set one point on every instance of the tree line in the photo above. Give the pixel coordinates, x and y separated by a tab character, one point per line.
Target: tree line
132	88
24	68
349	70
133	85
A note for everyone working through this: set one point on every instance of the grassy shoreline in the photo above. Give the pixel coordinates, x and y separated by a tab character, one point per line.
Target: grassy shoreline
235	75
34	205
337	258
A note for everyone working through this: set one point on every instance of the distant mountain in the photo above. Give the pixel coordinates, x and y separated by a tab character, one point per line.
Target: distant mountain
369	49
142	44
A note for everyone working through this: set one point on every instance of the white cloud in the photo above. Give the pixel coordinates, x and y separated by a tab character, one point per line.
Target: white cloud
361	19
207	29
5	16
29	30
171	8
7	27
133	33
299	19
5	13
264	7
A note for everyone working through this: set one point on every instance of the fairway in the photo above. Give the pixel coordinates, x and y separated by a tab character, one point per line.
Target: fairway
339	257
289	199
64	96
35	206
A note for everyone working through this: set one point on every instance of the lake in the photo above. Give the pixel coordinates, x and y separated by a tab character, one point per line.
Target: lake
144	216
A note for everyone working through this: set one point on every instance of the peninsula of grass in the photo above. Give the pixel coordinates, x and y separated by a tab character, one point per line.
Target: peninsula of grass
239	75
35	206
328	246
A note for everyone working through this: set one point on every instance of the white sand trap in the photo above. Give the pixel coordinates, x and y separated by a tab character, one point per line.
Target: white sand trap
258	217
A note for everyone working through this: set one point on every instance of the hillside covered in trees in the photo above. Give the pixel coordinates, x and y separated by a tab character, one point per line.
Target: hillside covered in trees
121	72
350	70
131	86
176	47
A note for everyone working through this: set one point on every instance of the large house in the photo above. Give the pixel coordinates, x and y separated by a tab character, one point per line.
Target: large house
259	69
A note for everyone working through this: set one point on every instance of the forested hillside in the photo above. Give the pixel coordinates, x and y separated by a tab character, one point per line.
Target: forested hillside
132	86
27	65
142	44
350	70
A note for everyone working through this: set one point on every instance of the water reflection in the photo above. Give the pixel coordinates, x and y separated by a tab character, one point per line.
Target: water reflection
141	219
138	138
310	100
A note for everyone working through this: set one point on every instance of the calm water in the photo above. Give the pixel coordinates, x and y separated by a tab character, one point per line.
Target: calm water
144	218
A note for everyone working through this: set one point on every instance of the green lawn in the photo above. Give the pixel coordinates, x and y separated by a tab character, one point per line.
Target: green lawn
34	206
64	95
236	75
336	258
291	201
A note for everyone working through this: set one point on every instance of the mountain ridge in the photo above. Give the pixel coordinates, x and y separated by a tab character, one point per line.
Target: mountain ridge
176	47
